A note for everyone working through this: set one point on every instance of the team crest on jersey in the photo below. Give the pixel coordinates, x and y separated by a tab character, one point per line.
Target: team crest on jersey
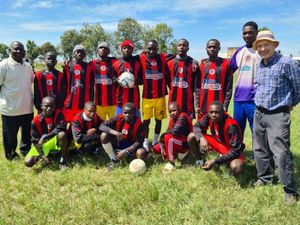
49	126
153	63
212	71
180	69
49	82
248	57
76	72
124	131
103	68
127	70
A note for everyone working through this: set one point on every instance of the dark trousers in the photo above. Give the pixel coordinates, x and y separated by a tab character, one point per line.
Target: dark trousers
10	128
272	143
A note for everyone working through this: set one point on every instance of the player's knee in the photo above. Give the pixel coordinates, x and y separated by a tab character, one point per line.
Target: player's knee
104	137
62	136
140	153
236	166
191	137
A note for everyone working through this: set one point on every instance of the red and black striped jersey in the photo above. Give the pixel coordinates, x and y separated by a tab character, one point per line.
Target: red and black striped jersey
105	86
132	65
80	83
80	126
154	75
227	132
132	132
182	83
215	83
49	84
181	126
48	126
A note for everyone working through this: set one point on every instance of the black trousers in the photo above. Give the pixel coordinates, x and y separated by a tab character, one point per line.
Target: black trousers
10	128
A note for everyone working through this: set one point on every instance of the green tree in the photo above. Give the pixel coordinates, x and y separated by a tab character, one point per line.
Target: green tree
163	34
68	40
129	28
32	50
47	47
92	36
3	51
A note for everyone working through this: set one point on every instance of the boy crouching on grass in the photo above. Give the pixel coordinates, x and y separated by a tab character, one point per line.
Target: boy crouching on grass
124	132
48	134
174	141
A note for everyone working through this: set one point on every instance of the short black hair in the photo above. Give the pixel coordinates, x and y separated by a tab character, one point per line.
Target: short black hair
183	39
217	103
153	40
89	104
215	40
129	105
251	24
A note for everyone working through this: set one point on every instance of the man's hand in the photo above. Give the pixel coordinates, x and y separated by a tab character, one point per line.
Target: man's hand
91	132
121	154
203	145
42	140
208	165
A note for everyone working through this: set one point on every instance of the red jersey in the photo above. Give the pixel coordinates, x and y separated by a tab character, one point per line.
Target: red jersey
154	75
182	83
215	83
133	66
181	126
80	83
49	126
49	84
105	86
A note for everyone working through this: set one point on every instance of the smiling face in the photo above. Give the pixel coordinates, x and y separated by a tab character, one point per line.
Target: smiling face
174	110
103	52
266	49
128	113
249	35
17	51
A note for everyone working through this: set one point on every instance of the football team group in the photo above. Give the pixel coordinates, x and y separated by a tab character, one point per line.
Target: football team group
87	109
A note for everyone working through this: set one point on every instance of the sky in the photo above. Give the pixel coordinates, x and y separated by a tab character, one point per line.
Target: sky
198	21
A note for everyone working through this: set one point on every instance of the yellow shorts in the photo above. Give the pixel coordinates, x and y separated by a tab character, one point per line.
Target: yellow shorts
156	106
103	111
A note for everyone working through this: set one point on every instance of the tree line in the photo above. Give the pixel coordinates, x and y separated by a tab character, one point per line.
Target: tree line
90	35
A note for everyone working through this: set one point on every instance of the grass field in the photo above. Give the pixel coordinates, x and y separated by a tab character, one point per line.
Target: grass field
88	194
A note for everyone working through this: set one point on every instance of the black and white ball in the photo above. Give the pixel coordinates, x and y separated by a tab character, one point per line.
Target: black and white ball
126	80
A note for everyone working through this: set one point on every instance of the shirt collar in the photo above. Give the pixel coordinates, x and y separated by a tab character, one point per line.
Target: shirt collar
272	60
12	61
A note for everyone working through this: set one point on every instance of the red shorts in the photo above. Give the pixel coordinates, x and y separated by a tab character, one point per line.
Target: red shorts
172	145
219	147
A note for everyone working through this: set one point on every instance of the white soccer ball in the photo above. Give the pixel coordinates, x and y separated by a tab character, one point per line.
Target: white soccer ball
126	80
137	166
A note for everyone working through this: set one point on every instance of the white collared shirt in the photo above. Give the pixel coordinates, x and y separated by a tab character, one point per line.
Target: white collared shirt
16	87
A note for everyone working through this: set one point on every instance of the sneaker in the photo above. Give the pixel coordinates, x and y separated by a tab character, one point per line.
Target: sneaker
111	165
63	166
290	199
14	156
168	168
259	183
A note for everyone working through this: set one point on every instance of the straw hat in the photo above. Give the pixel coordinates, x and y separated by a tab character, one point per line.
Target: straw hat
265	35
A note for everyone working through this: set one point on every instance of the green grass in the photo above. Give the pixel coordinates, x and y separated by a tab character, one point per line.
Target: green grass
88	194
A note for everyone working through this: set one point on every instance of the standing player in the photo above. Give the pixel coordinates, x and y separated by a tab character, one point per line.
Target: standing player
85	128
175	139
182	80
131	64
215	80
48	132
124	132
49	82
79	75
225	138
244	61
105	86
154	89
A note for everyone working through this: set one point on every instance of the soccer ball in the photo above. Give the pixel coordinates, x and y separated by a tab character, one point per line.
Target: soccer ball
137	166
126	80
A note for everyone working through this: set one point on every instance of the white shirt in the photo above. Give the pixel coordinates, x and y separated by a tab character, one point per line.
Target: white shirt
16	87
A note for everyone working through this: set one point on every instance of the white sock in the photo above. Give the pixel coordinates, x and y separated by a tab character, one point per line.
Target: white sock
146	141
108	148
155	139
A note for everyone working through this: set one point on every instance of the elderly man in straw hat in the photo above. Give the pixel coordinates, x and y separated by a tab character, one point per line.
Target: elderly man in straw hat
278	91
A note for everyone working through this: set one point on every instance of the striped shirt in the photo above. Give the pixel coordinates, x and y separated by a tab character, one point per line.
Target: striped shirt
278	83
